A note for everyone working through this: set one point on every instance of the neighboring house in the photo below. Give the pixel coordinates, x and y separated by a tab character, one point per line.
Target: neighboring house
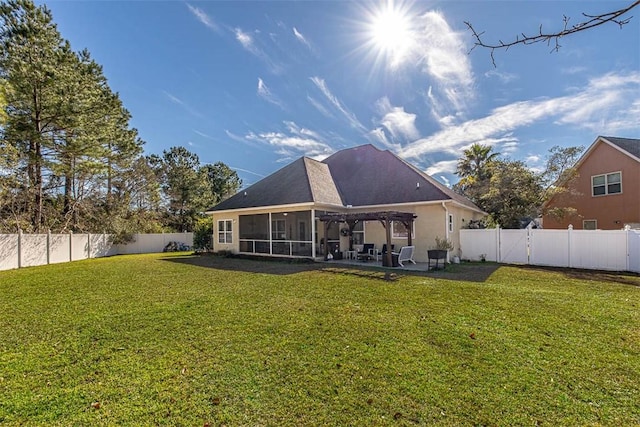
279	215
606	192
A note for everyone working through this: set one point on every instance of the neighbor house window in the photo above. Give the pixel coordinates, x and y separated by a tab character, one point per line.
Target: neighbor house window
450	222
610	183
225	231
400	230
589	224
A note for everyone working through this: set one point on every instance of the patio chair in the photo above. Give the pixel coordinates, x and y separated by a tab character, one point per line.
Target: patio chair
406	254
382	253
365	253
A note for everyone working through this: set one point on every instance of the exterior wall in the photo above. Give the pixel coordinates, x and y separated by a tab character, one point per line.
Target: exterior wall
431	222
612	211
235	243
234	217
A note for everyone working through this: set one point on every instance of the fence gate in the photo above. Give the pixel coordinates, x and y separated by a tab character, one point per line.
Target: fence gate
514	246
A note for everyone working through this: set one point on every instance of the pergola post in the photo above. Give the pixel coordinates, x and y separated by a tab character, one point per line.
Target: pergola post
389	255
326	239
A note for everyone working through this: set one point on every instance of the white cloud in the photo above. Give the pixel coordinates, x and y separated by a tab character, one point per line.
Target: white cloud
399	123
574	70
301	38
351	118
249	44
183	104
448	166
203	17
504	77
202	134
617	97
319	107
265	93
378	135
444	58
246	40
295	142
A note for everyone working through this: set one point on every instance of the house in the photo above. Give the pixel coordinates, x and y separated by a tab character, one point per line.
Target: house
285	214
606	192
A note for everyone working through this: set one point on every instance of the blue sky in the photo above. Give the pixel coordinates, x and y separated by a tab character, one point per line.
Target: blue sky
259	84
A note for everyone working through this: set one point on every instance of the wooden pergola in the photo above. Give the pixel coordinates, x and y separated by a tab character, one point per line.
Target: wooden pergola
385	218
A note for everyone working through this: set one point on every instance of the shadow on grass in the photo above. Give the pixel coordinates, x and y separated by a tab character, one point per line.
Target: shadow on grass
473	272
620	277
278	266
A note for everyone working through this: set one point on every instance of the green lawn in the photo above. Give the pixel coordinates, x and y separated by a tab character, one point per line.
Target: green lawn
180	340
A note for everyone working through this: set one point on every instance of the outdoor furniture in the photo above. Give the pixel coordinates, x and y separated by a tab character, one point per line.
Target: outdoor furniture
436	254
350	254
366	253
381	255
406	254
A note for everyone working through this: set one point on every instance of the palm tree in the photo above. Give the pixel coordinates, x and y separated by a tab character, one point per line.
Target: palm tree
474	164
474	170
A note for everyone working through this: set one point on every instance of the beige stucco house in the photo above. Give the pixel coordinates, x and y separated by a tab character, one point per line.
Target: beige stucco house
280	214
606	192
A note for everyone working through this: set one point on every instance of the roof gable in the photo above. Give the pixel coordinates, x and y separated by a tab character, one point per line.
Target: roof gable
367	176
629	146
303	181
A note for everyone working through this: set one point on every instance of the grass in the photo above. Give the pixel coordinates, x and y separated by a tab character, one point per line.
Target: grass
180	340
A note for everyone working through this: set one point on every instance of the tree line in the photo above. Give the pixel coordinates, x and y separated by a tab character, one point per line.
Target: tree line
510	192
69	159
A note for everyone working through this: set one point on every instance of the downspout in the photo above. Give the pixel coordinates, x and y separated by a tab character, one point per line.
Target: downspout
446	224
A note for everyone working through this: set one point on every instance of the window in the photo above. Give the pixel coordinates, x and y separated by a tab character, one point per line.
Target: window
450	223
225	231
589	224
399	230
278	229
358	233
606	184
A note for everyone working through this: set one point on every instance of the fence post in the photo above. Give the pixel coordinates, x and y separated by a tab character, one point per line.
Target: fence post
19	247
627	235
569	237
88	245
70	245
498	249
48	246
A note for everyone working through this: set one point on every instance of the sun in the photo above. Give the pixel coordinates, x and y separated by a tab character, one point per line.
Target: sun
391	32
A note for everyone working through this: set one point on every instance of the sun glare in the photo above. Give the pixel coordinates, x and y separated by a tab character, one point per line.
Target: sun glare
391	32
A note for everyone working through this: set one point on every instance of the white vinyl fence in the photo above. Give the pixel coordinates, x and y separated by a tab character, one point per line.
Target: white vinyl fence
28	250
616	250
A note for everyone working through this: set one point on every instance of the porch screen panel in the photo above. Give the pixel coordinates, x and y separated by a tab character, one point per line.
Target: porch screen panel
254	233
254	227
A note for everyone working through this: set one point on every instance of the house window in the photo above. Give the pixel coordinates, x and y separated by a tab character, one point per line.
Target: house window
278	229
400	231
358	233
450	223
589	224
225	231
610	183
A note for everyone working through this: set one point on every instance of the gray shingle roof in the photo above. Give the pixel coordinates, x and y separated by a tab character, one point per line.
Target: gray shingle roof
304	180
368	176
359	176
630	145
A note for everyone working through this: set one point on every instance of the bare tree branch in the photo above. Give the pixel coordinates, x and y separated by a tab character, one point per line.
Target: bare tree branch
589	22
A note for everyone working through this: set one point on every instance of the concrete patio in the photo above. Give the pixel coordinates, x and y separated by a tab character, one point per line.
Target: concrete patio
408	266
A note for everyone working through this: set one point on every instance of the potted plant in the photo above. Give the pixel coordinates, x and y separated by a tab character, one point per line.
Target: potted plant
442	247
